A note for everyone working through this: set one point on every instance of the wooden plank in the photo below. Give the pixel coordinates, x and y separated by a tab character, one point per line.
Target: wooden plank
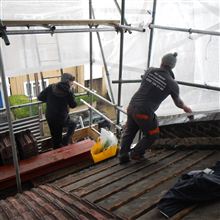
86	173
76	203
85	133
99	176
141	205
123	181
95	169
75	207
14	23
130	193
46	162
61	173
132	172
32	200
131	176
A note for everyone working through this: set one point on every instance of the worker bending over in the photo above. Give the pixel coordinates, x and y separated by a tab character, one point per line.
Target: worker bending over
157	84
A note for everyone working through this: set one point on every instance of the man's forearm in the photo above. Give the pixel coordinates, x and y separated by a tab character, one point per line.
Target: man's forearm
179	103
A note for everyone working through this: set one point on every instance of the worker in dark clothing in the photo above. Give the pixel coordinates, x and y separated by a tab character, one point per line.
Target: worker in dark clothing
59	97
157	84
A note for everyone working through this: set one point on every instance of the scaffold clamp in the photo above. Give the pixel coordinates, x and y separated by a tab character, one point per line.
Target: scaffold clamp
3	35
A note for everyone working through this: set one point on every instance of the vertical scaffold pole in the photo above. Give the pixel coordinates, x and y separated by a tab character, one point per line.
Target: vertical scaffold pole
121	58
151	33
105	64
90	62
11	133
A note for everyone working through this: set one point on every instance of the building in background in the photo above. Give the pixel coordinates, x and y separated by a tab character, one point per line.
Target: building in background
31	84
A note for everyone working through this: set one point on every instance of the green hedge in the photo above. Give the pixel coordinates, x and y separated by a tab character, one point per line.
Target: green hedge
22	112
85	98
28	111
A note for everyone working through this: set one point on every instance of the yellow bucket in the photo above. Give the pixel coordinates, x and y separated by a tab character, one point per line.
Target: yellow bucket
99	155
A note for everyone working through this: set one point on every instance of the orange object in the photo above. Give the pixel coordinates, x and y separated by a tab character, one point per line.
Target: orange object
154	131
142	116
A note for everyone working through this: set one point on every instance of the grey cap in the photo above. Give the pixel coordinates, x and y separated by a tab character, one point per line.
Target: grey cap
169	60
67	77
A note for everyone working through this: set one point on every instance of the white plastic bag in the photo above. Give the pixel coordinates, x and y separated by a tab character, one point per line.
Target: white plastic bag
107	138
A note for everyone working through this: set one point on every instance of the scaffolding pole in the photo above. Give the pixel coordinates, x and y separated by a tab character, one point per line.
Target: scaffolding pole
119	9
71	30
90	63
59	31
124	27
98	112
100	97
36	103
52	23
121	58
189	30
214	88
104	62
11	133
151	33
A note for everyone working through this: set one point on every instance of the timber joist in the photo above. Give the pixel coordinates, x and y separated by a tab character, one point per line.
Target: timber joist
45	23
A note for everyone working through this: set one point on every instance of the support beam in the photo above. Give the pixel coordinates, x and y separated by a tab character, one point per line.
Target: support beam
59	31
130	28
119	9
189	30
104	63
49	23
90	64
11	133
214	88
151	34
100	97
98	112
121	58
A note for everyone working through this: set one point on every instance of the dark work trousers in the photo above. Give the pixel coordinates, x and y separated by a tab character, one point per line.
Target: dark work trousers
145	121
56	129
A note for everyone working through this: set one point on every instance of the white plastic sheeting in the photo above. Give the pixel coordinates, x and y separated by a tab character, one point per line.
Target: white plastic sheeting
198	55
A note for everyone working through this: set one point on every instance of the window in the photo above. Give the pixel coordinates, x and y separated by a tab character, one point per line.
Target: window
30	89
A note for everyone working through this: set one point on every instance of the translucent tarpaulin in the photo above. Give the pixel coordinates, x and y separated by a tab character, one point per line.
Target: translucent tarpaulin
198	54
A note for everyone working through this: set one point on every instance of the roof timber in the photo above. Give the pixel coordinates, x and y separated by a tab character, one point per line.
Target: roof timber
93	22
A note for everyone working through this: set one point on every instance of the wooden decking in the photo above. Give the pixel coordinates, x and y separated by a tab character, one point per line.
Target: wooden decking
132	191
113	191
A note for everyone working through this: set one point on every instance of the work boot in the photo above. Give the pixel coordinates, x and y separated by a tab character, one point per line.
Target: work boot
124	158
137	156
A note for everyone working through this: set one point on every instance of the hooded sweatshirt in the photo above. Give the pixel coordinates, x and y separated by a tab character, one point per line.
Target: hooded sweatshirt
59	98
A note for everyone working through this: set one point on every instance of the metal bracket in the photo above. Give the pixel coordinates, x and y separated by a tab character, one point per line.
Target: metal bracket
3	35
52	29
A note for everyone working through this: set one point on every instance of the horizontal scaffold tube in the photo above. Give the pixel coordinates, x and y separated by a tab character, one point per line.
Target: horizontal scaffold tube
189	30
58	31
100	97
25	23
179	82
98	112
35	103
127	27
